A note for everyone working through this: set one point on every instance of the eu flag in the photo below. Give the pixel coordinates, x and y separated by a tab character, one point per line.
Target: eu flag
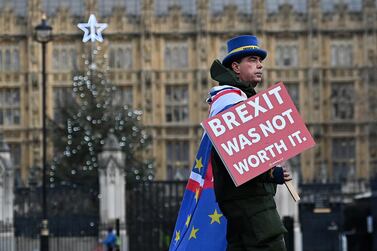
200	224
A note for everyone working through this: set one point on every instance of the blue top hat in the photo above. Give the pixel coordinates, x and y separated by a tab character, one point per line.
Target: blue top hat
242	46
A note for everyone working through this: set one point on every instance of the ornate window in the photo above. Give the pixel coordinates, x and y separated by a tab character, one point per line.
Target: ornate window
177	159
352	5
120	57
343	158
162	6
16	60
271	6
294	92
64	58
18	6
123	96
7	62
188	7
176	104
327	5
295	166
372	94
9	106
176	55
16	158
342	54
15	154
9	58
132	7
243	6
299	6
63	97
373	148
76	7
73	58
286	55
342	100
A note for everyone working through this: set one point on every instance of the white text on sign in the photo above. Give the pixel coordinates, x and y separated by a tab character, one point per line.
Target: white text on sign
269	127
241	115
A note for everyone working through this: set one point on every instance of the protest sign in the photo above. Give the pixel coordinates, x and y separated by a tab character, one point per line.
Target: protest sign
254	135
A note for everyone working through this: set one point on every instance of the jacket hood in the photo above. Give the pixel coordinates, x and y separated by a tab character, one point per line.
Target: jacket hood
226	76
223	75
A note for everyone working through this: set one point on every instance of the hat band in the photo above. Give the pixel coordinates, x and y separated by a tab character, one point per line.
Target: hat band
244	48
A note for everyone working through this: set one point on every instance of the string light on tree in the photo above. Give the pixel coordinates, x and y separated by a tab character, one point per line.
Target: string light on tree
90	118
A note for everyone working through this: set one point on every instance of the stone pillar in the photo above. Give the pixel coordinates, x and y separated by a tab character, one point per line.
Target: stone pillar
6	199
288	207
113	189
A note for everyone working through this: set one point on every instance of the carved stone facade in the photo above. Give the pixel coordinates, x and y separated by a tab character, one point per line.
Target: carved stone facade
325	52
6	198
113	188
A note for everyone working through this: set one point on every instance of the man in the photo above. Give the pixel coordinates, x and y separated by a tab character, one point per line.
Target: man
250	209
110	240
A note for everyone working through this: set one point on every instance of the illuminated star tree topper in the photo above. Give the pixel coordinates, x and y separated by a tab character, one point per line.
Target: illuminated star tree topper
92	30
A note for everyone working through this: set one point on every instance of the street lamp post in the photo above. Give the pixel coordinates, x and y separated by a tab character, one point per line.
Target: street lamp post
43	35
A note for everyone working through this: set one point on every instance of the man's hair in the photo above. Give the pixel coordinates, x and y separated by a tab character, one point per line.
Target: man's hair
238	60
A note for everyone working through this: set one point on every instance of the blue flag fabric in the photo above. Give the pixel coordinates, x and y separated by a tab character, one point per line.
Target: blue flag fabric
200	224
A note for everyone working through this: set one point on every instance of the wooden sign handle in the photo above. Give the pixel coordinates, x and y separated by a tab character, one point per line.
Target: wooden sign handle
292	190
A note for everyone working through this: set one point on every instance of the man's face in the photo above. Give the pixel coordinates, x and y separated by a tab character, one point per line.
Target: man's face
249	70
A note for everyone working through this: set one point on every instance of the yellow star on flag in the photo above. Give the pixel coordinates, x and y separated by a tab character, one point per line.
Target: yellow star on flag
198	163
177	235
193	232
188	220
215	217
197	195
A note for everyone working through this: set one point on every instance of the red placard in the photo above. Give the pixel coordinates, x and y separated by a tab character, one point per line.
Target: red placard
256	134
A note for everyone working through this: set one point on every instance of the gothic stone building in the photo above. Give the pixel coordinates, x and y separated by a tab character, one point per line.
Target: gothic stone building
159	55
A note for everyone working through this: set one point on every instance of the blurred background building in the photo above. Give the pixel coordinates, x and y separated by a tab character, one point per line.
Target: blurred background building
159	54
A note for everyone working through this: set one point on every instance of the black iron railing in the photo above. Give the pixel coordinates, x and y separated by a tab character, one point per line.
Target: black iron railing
152	209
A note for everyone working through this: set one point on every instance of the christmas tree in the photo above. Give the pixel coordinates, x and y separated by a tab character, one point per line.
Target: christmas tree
89	118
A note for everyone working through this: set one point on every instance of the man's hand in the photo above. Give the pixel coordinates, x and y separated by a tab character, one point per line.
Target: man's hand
287	174
280	173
